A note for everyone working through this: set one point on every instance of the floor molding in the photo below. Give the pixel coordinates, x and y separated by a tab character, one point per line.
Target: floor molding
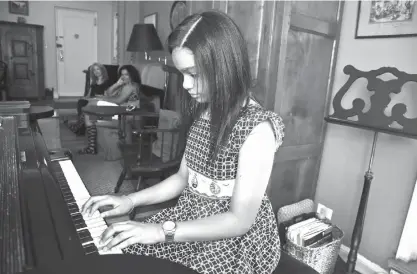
363	265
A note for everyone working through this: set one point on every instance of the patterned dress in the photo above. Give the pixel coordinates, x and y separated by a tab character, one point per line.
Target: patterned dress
209	190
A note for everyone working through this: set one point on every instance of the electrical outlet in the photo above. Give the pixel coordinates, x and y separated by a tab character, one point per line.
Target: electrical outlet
324	212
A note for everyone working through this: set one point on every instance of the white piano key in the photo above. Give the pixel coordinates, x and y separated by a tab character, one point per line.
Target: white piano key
95	224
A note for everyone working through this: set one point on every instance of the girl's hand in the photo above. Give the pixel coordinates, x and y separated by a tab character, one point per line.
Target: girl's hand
121	205
127	233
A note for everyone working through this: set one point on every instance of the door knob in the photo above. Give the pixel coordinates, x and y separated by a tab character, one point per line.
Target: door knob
61	55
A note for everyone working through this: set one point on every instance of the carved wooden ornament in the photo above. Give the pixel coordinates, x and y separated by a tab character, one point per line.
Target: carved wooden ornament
375	118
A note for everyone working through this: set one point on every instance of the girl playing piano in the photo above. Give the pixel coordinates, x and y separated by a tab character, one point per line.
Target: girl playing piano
223	221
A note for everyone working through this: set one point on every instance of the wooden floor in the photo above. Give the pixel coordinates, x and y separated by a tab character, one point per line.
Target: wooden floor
100	177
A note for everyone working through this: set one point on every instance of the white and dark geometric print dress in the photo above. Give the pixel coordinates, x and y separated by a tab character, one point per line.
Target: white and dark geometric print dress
209	190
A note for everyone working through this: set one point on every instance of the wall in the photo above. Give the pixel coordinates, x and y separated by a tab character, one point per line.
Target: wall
43	13
347	150
163	9
129	13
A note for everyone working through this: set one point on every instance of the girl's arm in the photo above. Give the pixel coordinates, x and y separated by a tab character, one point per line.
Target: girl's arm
256	159
166	190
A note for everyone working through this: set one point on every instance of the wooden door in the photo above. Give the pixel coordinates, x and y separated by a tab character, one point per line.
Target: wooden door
22	62
291	47
76	47
300	93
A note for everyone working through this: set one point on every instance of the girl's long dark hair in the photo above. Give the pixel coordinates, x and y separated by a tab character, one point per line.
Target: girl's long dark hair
222	62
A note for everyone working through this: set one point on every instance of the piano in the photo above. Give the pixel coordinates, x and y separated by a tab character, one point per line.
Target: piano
41	194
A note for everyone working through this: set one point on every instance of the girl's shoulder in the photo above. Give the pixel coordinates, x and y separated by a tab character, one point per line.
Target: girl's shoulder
252	115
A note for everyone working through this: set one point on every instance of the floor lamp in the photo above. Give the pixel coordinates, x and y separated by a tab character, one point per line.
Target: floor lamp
144	38
375	120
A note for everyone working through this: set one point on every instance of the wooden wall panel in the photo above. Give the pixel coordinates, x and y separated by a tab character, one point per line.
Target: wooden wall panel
324	10
290	44
248	16
304	70
295	182
308	58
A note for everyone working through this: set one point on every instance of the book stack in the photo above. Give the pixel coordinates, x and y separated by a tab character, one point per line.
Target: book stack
311	233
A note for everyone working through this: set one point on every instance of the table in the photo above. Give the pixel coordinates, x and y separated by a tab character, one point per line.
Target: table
121	112
40	112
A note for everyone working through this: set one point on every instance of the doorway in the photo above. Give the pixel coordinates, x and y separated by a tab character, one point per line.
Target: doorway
76	48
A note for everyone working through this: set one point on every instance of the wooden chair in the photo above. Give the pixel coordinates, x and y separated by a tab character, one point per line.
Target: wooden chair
153	153
3	81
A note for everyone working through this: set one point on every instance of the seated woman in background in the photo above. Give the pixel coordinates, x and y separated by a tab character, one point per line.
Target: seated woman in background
99	83
126	91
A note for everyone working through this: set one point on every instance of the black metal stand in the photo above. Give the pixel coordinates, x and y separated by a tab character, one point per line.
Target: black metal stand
360	217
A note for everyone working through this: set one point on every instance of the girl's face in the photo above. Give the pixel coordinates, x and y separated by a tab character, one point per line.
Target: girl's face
97	71
124	74
183	59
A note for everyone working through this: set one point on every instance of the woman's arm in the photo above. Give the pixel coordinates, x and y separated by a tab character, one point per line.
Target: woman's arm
165	190
89	92
123	96
256	159
113	88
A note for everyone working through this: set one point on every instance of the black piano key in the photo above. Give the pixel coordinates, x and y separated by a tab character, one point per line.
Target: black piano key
70	200
74	207
66	192
84	234
80	226
67	195
72	211
77	216
79	221
90	249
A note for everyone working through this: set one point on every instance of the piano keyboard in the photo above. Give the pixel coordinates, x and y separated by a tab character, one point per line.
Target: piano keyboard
89	229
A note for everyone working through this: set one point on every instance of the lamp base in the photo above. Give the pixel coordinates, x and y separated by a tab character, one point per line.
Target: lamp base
132	58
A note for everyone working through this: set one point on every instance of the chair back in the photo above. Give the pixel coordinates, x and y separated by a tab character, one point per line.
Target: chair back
3	73
160	149
112	72
167	142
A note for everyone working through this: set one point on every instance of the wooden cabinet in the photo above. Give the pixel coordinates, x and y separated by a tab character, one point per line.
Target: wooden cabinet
22	50
292	48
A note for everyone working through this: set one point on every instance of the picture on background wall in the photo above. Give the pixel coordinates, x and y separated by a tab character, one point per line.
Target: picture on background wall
151	19
19	7
383	19
391	11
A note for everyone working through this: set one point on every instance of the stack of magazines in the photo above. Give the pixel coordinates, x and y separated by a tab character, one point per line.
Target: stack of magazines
311	233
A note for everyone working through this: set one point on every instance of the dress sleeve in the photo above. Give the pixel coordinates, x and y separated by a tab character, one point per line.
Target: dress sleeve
278	128
247	125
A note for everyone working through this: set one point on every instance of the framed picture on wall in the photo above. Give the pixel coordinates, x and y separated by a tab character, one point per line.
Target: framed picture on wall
151	19
19	7
386	19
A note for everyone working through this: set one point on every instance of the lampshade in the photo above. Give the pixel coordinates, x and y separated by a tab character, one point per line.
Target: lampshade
144	38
